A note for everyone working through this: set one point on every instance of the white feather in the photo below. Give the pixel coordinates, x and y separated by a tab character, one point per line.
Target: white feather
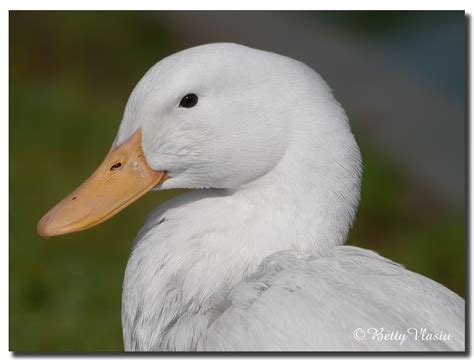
255	262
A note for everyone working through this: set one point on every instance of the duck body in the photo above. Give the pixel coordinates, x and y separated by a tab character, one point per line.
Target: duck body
256	261
184	292
252	258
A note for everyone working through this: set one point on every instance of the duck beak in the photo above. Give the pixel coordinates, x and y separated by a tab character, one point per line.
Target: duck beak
122	178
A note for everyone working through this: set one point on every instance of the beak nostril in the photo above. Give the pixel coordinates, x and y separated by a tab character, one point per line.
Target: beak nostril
74	198
116	166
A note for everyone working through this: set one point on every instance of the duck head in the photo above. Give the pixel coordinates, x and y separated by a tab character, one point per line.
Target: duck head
218	116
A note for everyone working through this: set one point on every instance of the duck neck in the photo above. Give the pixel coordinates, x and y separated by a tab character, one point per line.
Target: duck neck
195	248
309	200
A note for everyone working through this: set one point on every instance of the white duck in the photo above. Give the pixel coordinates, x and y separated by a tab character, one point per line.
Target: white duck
253	260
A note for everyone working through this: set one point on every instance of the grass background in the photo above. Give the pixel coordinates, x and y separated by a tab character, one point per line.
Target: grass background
70	77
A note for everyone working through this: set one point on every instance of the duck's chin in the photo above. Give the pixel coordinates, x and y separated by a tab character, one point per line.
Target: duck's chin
183	183
176	179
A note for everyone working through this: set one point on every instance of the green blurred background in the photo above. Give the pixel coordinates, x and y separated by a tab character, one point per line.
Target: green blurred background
70	76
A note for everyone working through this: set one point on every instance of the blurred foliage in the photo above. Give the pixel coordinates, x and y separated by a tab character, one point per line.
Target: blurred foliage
404	222
378	23
70	76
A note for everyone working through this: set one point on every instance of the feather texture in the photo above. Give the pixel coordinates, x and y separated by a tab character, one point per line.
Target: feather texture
254	260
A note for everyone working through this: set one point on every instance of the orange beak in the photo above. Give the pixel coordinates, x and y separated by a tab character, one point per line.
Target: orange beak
122	178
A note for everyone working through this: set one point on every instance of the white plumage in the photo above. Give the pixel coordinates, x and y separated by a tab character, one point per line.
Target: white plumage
254	261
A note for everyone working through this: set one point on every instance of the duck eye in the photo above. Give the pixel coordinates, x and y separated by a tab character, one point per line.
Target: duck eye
188	101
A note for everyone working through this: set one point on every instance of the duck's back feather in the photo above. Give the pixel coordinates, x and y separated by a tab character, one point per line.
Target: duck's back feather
346	298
